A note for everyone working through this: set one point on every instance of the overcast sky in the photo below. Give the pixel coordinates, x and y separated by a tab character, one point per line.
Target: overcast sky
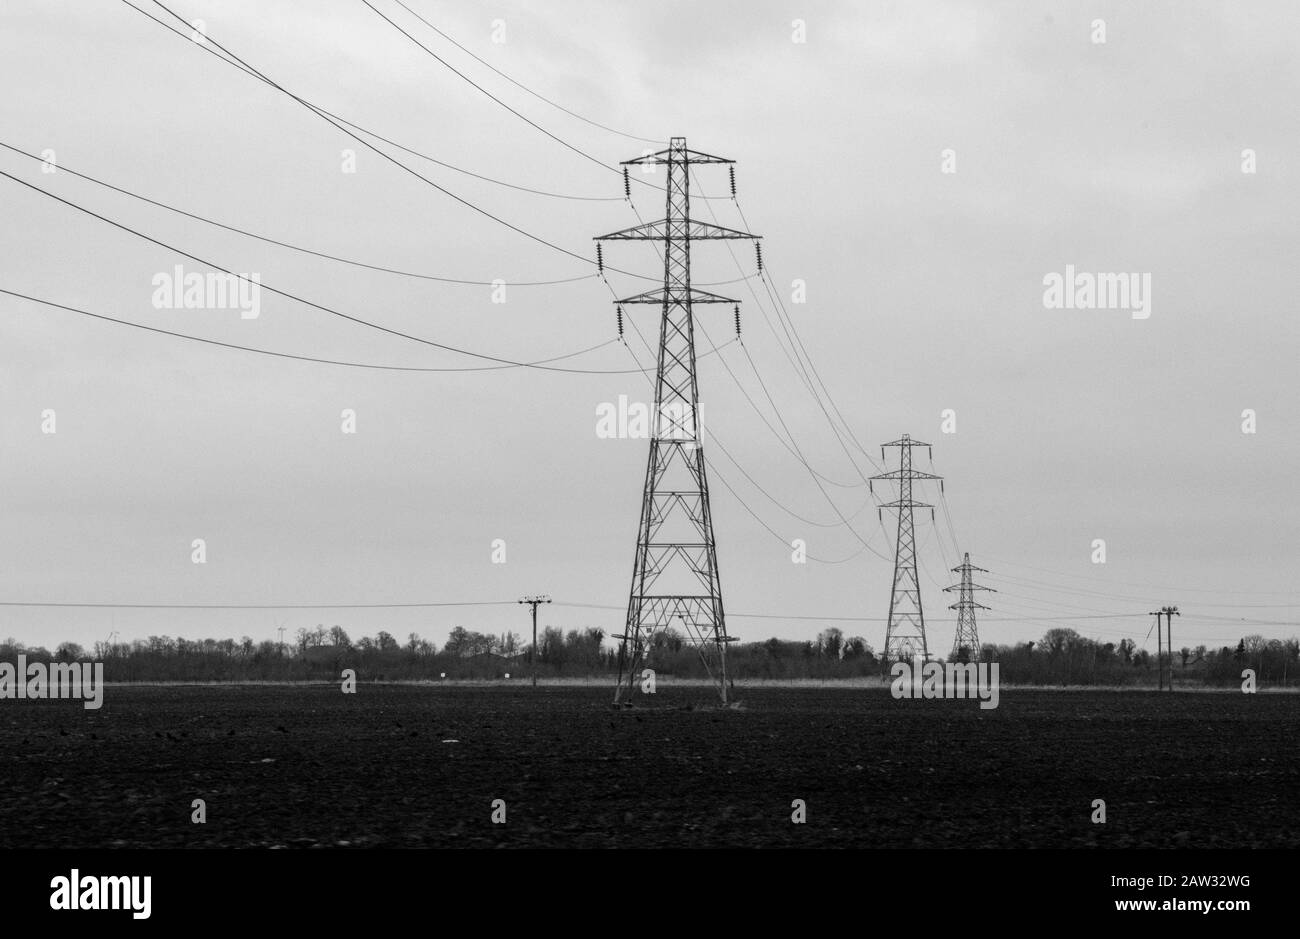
924	292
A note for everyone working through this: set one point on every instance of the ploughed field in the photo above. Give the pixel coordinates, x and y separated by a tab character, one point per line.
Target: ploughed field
304	766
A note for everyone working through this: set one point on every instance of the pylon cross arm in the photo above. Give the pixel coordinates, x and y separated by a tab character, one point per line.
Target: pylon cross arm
679	155
662	230
906	442
897	475
661	296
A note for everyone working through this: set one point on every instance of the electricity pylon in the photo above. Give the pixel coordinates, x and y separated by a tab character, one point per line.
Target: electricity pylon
905	632
675	570
968	637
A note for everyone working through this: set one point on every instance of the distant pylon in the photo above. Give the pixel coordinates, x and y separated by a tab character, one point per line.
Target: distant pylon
905	632
675	571
968	636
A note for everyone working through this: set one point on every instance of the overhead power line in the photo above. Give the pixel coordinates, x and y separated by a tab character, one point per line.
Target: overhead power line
63	168
44	604
778	503
339	125
802	371
531	123
1163	588
392	143
283	293
398	163
249	606
853	619
788	445
791	445
808	372
720	477
324	361
524	87
292	247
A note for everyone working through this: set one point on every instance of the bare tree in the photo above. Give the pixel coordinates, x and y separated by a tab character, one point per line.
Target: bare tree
830	642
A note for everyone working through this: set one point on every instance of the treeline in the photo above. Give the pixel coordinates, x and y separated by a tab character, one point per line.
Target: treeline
1061	657
321	654
1064	657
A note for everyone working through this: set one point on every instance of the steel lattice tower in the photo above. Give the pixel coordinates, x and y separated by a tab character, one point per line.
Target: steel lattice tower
968	636
905	632
675	571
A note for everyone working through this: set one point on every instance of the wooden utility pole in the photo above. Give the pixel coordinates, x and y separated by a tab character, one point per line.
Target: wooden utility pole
1168	612
533	601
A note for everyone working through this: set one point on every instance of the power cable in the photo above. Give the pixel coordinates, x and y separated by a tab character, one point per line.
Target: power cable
284	293
518	84
321	361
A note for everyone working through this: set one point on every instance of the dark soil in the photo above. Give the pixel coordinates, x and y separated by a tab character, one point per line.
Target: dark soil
307	765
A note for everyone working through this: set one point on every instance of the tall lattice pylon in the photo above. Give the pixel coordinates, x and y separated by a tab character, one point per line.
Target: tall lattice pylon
675	571
905	632
966	644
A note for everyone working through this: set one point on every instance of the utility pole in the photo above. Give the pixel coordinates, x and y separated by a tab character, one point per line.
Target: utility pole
1168	612
905	631
532	656
675	568
281	628
968	636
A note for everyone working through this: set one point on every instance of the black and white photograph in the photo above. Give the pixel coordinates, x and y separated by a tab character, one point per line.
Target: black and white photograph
740	449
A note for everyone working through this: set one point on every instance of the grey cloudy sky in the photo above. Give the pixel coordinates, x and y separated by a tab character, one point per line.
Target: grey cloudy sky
924	293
